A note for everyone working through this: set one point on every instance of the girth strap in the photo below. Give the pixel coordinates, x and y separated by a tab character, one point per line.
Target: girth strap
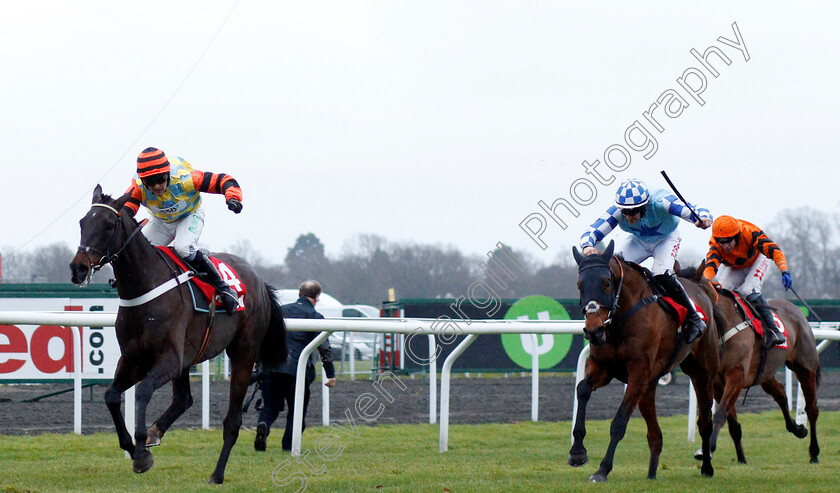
734	330
211	319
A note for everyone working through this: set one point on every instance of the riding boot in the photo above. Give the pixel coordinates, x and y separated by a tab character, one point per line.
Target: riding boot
772	335
207	271
694	326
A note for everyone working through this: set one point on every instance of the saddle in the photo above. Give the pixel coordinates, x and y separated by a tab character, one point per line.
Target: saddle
201	291
660	296
747	310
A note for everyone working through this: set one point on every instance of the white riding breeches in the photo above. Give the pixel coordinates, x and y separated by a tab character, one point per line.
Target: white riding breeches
747	280
663	252
182	235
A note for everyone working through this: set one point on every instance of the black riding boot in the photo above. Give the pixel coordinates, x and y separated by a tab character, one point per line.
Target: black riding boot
207	271
694	326
772	335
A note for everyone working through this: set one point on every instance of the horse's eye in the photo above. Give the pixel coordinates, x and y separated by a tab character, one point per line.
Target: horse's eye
109	226
580	286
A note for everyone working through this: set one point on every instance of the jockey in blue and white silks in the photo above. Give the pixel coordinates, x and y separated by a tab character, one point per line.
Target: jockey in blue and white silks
652	219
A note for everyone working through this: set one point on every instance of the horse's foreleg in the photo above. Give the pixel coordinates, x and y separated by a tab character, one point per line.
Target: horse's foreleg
735	432
181	401
240	377
647	407
167	367
618	427
124	378
733	382
577	454
703	391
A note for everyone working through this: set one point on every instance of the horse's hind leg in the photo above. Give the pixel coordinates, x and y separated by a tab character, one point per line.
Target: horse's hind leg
240	377
808	381
124	378
647	407
777	392
181	401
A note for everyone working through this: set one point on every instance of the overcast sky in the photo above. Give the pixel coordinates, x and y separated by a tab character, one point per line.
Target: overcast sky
426	121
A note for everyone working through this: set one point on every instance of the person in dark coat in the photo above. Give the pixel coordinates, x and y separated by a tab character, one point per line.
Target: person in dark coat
279	386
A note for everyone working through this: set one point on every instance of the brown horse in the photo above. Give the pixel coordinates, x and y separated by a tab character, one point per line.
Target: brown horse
160	338
744	363
635	340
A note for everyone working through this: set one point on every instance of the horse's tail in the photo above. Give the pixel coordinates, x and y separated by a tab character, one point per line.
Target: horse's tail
273	350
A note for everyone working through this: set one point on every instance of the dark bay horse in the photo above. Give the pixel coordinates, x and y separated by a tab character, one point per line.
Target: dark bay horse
636	341
161	338
741	367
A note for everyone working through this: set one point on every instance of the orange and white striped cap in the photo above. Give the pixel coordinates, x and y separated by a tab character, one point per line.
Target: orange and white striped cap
152	161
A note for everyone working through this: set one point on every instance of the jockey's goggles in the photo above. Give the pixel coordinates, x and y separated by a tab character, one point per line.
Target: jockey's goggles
724	241
633	211
153	180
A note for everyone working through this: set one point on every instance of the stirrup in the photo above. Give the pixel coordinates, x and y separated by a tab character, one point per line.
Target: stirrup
694	330
229	300
773	339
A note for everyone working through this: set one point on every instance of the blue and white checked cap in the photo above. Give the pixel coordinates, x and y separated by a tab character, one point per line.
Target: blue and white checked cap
631	193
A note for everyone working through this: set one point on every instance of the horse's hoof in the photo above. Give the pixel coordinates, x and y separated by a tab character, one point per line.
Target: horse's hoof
815	460
215	480
598	477
707	472
153	437
800	431
577	460
143	462
699	454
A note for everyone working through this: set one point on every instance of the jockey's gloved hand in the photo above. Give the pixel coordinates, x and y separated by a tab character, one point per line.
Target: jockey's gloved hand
234	205
787	281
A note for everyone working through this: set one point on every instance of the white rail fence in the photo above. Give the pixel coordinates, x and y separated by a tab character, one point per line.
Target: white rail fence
826	331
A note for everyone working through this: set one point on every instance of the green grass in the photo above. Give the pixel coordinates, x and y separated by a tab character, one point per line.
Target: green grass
404	458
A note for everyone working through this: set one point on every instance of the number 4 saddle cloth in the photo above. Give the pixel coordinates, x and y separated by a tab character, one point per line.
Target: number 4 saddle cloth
202	291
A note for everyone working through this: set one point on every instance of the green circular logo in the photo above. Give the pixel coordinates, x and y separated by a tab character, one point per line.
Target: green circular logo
551	348
804	311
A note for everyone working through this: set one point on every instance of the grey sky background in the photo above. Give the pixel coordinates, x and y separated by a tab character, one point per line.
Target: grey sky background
430	122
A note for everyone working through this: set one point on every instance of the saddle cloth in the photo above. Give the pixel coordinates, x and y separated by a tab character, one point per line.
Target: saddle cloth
205	291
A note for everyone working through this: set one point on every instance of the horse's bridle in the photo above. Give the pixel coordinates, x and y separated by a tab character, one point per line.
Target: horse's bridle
593	306
106	257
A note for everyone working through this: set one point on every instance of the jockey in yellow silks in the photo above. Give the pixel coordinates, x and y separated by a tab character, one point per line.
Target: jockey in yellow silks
171	191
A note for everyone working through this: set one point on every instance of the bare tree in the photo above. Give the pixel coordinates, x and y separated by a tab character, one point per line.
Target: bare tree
806	237
44	264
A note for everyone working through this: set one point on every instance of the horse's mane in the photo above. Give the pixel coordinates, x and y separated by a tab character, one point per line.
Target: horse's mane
107	199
